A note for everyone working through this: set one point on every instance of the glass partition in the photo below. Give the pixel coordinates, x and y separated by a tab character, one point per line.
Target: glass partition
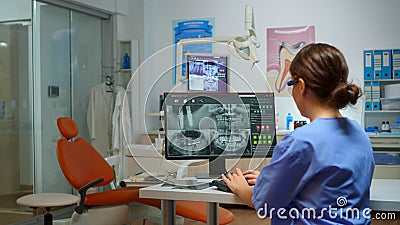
67	64
16	151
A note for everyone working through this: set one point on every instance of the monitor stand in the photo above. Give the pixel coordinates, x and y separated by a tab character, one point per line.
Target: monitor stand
216	167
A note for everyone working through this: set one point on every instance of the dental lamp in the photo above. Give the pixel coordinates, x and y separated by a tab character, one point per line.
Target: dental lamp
245	45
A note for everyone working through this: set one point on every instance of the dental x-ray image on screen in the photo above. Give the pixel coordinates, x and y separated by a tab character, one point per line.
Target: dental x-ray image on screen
207	73
209	125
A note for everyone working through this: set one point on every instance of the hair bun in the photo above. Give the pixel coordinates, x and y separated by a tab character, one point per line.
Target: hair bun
344	94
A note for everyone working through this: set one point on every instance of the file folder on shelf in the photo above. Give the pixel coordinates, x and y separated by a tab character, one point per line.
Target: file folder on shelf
396	63
376	95
368	65
377	64
368	95
386	64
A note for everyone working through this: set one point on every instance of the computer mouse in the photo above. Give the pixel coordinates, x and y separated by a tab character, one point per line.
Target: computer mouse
221	185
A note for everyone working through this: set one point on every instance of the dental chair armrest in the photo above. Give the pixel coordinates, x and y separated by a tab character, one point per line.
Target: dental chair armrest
82	192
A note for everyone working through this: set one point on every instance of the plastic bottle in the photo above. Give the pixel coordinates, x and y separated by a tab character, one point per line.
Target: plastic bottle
289	119
126	63
383	127
387	126
291	126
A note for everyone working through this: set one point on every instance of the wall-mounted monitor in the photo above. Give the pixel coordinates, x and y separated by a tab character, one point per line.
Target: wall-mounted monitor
208	73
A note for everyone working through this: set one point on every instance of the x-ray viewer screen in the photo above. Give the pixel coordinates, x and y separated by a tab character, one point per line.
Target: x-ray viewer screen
209	125
207	73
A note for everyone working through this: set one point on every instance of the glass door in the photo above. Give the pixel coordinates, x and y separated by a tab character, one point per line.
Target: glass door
67	64
51	46
86	70
16	148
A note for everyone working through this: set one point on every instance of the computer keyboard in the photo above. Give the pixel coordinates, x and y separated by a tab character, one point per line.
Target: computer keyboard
221	185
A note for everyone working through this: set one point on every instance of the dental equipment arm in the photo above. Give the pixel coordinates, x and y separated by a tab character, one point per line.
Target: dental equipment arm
245	45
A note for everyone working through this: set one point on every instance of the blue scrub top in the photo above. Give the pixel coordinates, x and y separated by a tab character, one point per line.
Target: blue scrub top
319	174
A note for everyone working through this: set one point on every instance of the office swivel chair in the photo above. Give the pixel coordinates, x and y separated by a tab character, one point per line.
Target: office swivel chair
84	168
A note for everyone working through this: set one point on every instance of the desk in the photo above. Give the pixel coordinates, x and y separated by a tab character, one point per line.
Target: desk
385	196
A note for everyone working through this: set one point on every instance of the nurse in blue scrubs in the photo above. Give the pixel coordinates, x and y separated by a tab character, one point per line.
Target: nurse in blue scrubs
320	173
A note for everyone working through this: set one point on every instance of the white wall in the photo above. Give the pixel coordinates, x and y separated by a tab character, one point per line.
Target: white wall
15	10
129	13
106	5
349	25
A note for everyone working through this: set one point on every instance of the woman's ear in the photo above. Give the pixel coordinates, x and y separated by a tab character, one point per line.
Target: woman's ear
302	87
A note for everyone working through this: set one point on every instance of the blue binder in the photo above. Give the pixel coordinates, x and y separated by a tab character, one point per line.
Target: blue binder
376	95
368	65
396	63
386	64
377	64
368	95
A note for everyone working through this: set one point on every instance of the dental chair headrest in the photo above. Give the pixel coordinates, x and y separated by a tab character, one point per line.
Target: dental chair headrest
67	127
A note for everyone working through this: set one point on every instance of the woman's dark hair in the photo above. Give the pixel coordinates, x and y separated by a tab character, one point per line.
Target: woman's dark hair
324	70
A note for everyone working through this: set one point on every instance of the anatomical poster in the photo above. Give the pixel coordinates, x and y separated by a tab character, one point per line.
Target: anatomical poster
282	45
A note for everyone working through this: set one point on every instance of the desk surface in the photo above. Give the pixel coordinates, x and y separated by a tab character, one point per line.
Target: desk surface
385	194
210	194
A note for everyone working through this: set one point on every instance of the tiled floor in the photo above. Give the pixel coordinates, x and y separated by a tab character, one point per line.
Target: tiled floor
10	212
9	218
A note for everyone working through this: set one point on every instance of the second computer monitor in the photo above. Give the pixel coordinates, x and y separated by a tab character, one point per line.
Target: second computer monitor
207	72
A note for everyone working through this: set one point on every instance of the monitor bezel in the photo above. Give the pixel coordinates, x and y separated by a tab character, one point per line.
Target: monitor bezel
227	58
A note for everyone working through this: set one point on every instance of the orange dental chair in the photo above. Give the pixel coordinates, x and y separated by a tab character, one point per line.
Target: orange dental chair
85	168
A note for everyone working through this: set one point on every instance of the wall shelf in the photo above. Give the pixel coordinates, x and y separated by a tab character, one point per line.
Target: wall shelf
123	76
382	111
384	136
377	90
384	80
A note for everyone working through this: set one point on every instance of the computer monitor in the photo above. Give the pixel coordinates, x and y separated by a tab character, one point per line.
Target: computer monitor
217	126
207	72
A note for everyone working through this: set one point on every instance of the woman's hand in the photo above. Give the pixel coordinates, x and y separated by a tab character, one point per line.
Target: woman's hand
239	185
235	181
251	176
